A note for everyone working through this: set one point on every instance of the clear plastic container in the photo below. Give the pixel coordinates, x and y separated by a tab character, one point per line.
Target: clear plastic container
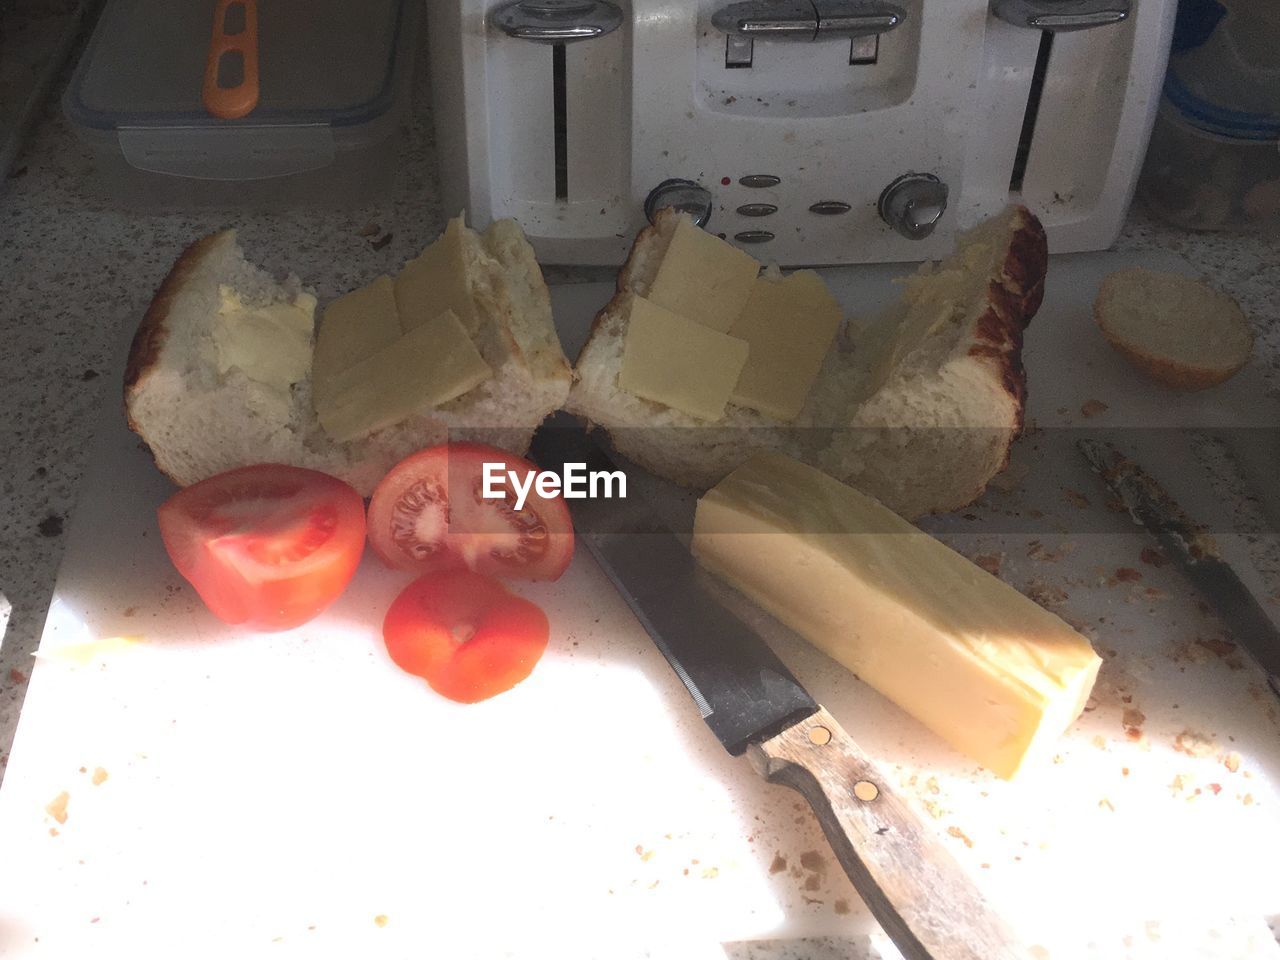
334	85
1213	162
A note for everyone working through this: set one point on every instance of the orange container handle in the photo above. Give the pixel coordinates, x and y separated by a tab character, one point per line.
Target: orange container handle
228	103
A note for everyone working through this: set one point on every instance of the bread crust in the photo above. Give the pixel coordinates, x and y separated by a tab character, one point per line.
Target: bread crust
1013	298
153	331
1180	376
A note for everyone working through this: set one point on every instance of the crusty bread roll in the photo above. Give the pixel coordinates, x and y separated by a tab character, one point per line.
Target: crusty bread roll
1175	329
918	410
198	421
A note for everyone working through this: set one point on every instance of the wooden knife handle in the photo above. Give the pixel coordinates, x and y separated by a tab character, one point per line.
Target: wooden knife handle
915	889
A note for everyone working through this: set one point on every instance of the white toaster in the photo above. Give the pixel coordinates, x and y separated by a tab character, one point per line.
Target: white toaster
810	131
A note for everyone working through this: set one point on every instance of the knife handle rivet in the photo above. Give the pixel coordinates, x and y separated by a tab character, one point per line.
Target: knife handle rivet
866	791
819	736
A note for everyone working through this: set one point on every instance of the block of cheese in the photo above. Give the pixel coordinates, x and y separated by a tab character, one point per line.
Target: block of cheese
436	281
269	343
703	278
994	674
674	361
790	324
356	326
431	364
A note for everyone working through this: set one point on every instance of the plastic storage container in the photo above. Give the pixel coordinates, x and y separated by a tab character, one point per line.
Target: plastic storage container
334	79
1214	158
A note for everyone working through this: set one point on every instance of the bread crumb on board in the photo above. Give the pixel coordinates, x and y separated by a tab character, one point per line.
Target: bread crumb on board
1194	744
99	776
57	807
380	919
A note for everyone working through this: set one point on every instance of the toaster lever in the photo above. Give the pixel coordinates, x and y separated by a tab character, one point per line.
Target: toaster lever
557	21
913	204
806	19
1060	16
856	18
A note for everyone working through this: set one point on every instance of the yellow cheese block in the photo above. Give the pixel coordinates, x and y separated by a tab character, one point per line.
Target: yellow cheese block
430	365
270	344
435	282
677	362
355	327
994	674
790	324
703	278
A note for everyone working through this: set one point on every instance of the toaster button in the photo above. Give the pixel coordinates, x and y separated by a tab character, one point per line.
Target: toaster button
864	50
830	208
757	209
738	52
753	236
760	180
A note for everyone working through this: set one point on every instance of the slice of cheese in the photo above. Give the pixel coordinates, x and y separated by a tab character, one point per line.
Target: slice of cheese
355	327
790	324
703	278
436	281
994	674
677	362
430	365
270	344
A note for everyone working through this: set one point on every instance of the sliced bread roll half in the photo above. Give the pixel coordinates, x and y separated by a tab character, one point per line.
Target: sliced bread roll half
918	409
1177	330
200	414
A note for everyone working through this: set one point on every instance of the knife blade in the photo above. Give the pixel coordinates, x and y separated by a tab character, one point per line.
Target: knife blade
1193	549
920	895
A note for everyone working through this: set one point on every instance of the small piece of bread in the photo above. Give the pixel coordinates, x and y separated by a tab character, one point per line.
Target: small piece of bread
199	422
919	411
1177	330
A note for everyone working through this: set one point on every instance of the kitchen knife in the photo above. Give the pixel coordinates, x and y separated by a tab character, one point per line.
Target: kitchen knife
1193	549
922	898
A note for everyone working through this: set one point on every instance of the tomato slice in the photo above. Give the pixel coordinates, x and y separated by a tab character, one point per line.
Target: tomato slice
268	546
429	514
466	634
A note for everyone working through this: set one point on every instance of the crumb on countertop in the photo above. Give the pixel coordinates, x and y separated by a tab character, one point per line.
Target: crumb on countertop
57	807
1092	408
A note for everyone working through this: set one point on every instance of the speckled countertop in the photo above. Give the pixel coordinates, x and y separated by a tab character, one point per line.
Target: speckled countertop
76	275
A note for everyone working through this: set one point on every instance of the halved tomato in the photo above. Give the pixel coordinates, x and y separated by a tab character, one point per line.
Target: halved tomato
467	635
267	547
429	514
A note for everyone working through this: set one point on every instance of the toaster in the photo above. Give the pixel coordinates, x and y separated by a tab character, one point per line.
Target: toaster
810	131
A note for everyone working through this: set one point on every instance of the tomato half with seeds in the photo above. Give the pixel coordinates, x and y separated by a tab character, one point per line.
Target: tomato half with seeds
466	634
267	547
430	514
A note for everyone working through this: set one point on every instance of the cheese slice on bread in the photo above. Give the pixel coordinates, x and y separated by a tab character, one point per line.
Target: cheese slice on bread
918	410
201	415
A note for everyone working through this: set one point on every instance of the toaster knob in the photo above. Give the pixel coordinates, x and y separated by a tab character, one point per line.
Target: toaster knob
685	195
557	21
913	204
1060	16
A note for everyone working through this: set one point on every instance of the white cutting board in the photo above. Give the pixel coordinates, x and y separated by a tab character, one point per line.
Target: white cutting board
296	795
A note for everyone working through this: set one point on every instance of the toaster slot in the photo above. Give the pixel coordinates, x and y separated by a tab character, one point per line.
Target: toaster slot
1098	100
559	132
1032	114
560	119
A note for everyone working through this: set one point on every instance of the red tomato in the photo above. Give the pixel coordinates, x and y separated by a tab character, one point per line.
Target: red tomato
429	514
467	635
267	547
